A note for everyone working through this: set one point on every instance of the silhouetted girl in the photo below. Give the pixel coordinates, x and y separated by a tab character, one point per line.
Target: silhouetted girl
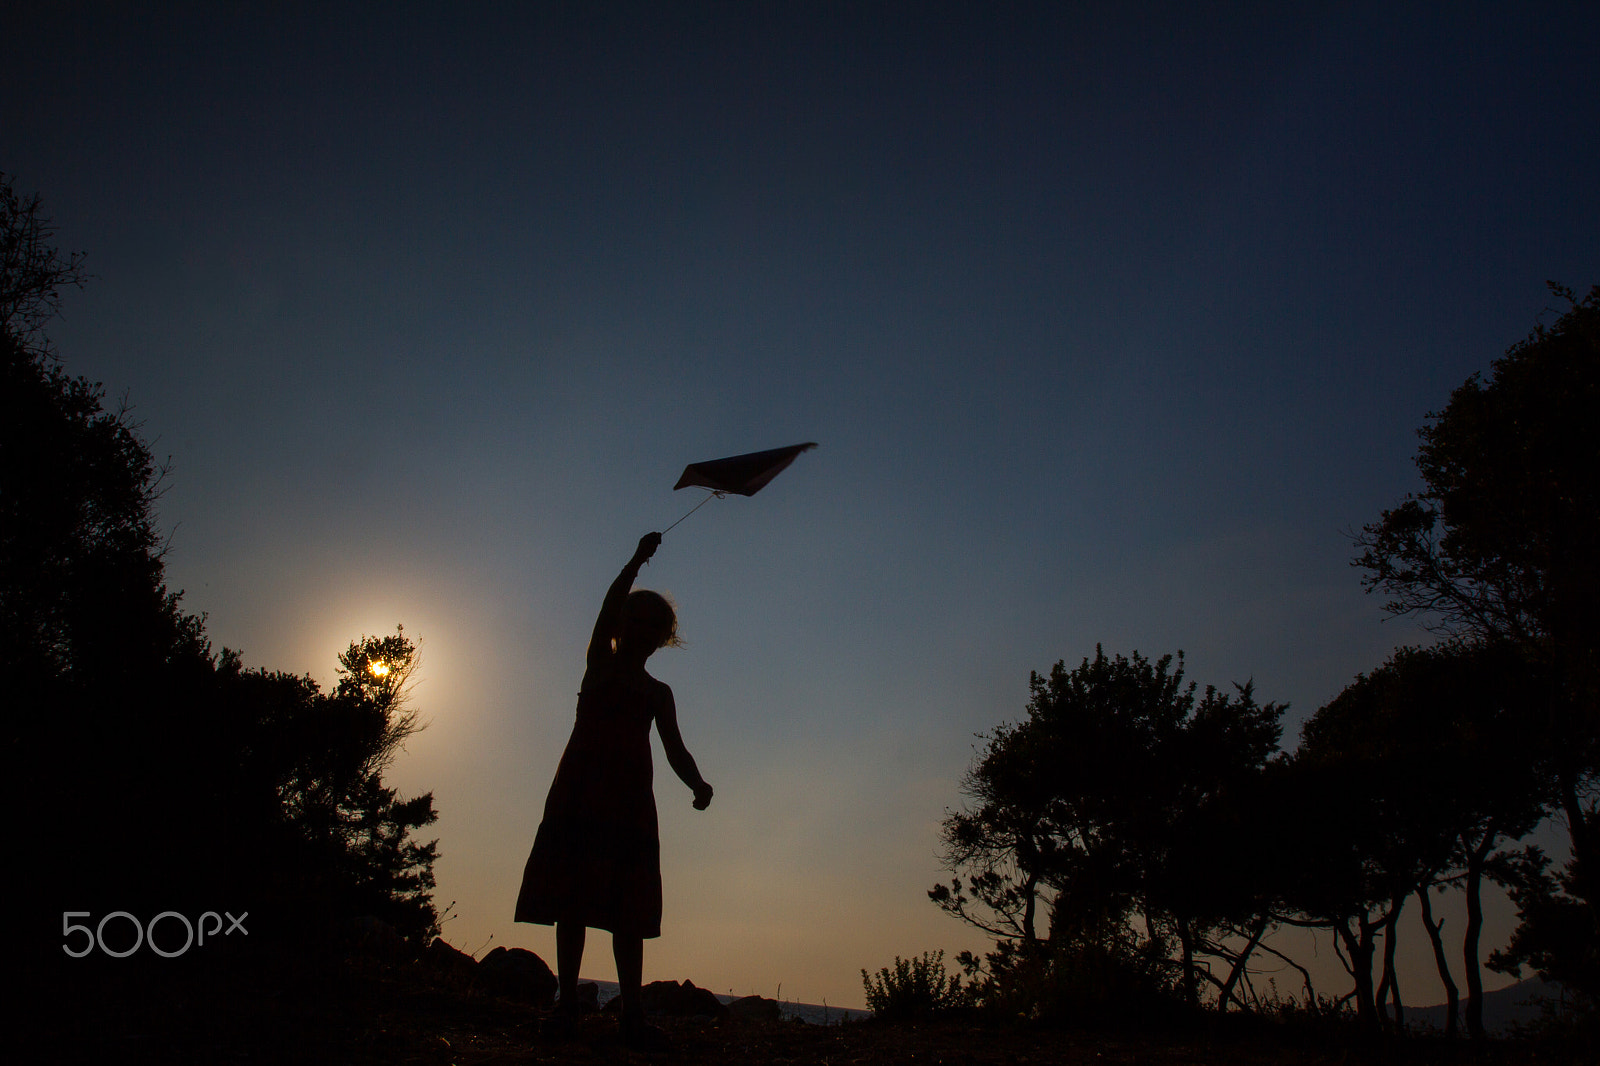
596	861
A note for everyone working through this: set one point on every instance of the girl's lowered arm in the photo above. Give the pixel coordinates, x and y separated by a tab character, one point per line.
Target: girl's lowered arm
605	626
678	756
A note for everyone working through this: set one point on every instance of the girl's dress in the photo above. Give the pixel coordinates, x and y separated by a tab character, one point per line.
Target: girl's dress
596	860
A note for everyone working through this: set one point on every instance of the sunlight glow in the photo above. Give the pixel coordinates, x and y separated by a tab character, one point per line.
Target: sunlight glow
379	669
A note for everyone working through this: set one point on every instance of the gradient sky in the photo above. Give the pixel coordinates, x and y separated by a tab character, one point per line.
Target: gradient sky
1112	322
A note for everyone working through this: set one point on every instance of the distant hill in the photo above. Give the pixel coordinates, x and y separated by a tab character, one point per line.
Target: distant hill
1519	1003
815	1013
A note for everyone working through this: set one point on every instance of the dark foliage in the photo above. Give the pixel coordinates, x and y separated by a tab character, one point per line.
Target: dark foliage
151	774
1499	549
1416	773
1112	806
1556	938
1499	544
916	989
1160	837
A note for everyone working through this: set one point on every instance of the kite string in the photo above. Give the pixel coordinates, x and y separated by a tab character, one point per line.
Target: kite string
714	494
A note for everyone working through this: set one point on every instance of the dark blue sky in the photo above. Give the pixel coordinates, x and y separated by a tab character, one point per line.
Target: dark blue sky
1112	323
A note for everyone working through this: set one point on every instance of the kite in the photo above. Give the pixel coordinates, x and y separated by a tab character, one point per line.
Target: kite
742	475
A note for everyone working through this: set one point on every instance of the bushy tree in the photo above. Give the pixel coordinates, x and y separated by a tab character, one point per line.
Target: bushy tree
344	837
1497	545
1498	549
1104	808
1418	772
1556	935
82	601
102	667
151	774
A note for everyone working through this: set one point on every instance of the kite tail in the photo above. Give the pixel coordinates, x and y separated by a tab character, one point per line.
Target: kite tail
713	494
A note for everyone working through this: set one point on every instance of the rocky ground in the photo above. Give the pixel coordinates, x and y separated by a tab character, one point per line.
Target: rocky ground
397	1016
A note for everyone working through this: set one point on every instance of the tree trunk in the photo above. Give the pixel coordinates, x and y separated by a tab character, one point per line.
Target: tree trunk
1388	962
1031	908
1191	988
1469	946
1452	997
1360	946
1389	986
1380	997
1239	965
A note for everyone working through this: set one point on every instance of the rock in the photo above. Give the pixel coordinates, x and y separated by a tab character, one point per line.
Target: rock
587	997
519	974
451	962
755	1009
685	1000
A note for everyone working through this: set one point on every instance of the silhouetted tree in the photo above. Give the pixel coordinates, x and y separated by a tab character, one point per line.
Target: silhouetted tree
1435	765
81	594
1103	807
1498	548
32	270
342	838
1325	827
100	664
1555	936
148	773
380	671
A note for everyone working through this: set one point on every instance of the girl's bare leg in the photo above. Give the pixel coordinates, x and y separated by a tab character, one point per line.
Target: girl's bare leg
636	1032
629	953
569	959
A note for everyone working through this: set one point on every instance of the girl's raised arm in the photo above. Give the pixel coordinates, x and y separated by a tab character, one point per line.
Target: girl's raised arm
605	627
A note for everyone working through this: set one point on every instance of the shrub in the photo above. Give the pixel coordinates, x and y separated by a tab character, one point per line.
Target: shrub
1109	975
915	988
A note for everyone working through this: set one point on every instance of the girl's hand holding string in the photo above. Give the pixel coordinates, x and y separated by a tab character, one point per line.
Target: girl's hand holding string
647	547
